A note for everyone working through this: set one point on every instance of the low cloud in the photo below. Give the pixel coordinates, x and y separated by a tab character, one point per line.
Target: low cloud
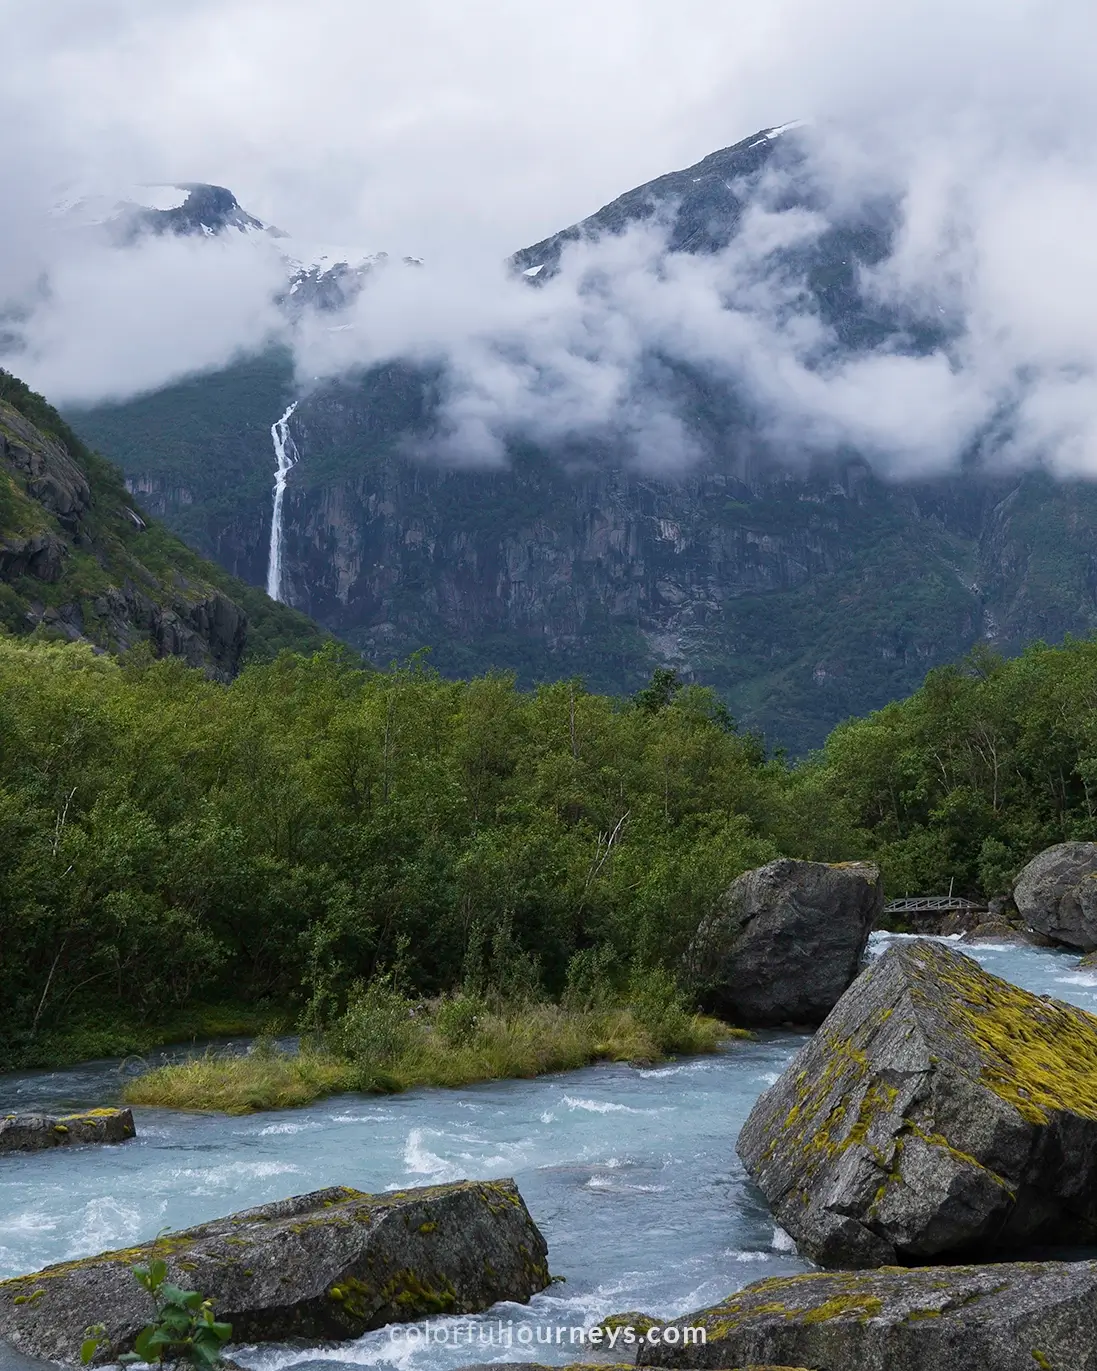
111	323
460	140
989	259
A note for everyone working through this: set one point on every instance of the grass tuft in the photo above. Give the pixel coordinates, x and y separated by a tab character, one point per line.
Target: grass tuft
504	1044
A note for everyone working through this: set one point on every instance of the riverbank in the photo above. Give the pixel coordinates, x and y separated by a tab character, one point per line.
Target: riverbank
502	1045
109	1033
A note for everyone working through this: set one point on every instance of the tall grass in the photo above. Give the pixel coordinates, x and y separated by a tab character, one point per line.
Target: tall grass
385	1044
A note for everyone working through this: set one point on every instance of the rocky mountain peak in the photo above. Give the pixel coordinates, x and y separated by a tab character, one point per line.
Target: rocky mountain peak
707	201
207	209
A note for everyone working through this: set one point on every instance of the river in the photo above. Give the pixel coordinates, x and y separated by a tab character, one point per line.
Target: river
631	1175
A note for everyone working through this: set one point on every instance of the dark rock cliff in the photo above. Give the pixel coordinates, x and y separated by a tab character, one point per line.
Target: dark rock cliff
803	596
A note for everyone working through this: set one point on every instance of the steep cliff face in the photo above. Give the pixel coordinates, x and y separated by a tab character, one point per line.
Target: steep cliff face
79	560
803	597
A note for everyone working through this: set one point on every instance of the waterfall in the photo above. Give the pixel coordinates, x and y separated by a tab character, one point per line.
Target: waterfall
285	451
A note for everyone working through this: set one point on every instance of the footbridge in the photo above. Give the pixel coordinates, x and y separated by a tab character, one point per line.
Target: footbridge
934	904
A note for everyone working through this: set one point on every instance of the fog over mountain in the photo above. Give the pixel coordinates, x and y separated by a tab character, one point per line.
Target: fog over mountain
458	137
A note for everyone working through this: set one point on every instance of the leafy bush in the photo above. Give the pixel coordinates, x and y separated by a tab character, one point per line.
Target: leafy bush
165	840
658	1004
459	1018
374	1032
590	979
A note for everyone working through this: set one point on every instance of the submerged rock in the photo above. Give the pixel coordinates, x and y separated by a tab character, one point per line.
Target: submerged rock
1022	1316
330	1264
786	941
1056	894
938	1109
998	931
30	1132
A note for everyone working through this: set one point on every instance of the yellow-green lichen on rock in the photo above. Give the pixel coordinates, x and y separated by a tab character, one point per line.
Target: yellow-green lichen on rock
938	1109
34	1132
951	1318
331	1264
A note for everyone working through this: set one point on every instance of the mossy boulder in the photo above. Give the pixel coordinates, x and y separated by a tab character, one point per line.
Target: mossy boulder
32	1132
938	1109
1056	894
635	1319
785	941
330	1264
1022	1316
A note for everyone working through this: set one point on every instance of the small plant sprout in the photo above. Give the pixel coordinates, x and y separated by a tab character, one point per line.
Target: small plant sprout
183	1329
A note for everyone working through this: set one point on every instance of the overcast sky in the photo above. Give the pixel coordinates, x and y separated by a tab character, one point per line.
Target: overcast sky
411	124
460	130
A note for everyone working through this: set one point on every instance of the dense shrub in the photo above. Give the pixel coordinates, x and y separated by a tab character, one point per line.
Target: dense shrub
281	843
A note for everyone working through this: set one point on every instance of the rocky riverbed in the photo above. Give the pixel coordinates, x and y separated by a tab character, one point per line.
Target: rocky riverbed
630	1174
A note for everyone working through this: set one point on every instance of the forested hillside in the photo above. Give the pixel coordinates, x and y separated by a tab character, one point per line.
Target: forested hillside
168	841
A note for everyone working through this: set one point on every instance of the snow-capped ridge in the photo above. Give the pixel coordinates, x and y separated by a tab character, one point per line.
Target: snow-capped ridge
318	275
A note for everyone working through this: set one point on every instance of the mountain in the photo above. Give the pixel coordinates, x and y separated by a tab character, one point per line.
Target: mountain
81	561
322	276
803	587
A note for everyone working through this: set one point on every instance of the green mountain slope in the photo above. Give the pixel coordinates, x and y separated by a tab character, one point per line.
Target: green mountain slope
79	560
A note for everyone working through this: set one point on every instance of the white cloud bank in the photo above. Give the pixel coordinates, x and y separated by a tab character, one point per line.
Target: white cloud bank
460	132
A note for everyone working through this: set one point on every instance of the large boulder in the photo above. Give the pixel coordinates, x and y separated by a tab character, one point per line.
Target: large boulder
1056	894
331	1264
785	941
938	1109
31	1132
1023	1316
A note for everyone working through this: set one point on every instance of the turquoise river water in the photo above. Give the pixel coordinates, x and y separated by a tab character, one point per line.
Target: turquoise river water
631	1175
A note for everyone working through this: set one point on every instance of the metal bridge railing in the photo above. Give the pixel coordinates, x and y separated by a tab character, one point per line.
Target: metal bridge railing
931	904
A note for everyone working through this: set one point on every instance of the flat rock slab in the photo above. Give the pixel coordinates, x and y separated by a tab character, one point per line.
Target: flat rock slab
331	1264
785	941
938	1109
32	1132
998	931
1022	1316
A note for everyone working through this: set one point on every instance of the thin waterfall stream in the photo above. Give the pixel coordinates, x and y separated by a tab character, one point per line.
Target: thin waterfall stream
286	454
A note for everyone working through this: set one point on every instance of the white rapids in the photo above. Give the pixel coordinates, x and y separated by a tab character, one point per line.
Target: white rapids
285	450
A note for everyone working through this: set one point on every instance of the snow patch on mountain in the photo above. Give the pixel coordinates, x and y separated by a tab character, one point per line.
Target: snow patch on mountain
769	134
